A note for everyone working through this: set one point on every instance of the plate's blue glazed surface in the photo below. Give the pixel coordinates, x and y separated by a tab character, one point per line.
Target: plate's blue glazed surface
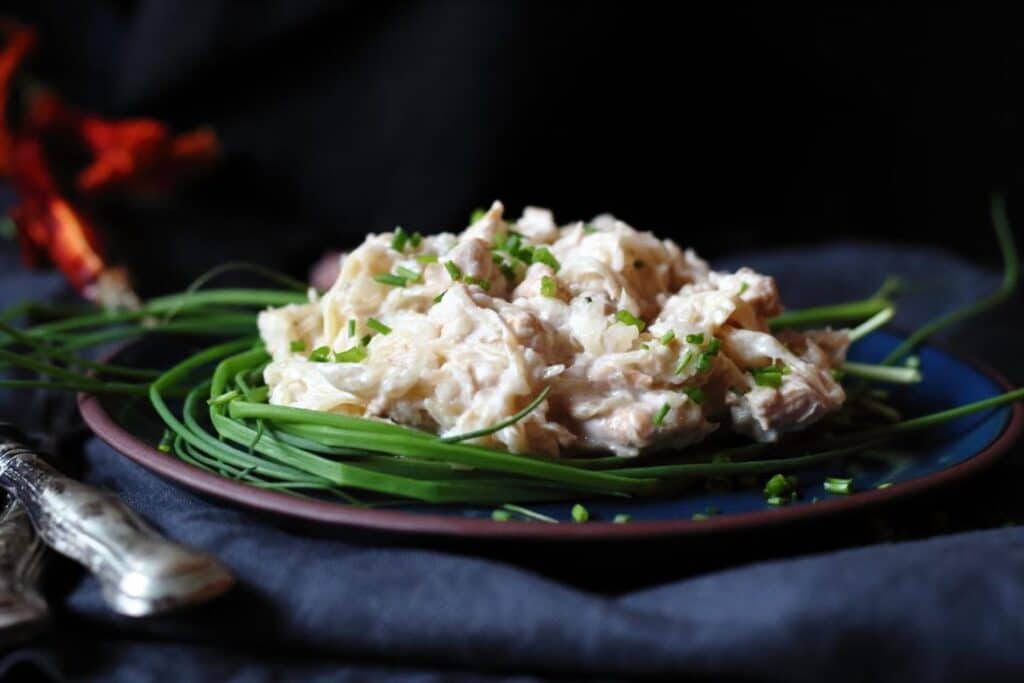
948	382
133	428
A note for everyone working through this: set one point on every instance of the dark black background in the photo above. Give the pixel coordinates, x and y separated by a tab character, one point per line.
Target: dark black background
728	129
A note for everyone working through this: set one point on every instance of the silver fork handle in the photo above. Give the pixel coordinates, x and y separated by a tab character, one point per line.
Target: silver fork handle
141	573
23	611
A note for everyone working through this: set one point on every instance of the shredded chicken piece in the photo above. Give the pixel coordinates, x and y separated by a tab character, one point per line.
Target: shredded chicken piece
485	326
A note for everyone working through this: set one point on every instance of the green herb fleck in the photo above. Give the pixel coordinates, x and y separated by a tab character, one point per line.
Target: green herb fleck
297	346
781	488
352	355
437	299
627	318
579	513
407	273
453	270
427	258
770	376
400	239
743	288
704	361
659	417
544	255
547	287
668	337
479	282
477	215
352	327
321	354
415	240
696	394
501	515
621	519
389	279
838	486
378	326
695	338
365	341
683	362
713	346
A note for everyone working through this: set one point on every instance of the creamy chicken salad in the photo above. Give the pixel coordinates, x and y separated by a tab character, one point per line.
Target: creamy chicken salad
638	342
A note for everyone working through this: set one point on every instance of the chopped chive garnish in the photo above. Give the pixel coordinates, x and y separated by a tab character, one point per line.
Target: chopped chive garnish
501	515
453	270
695	338
437	299
352	355
627	318
683	362
427	258
321	354
547	287
704	362
508	271
838	486
407	273
297	346
645	346
837	374
579	513
479	282
767	377
365	341
389	279
378	326
621	519
659	417
780	486
668	337
590	229
696	394
743	288
352	327
477	215
544	255
415	239
713	346
400	239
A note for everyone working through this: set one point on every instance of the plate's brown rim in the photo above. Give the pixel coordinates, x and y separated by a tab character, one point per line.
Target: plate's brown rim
395	521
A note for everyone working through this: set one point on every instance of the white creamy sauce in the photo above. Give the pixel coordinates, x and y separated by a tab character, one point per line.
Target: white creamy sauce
491	344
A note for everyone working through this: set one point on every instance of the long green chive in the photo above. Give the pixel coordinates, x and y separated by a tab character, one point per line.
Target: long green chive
408	274
453	270
696	394
668	337
697	338
683	362
627	318
1011	274
377	326
400	239
838	486
580	514
547	287
389	279
297	346
487	431
544	255
871	324
321	354
882	373
659	417
427	258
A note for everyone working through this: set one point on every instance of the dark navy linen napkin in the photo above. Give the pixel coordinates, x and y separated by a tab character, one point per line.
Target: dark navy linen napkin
332	607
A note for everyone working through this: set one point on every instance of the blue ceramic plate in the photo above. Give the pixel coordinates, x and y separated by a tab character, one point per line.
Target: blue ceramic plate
945	454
